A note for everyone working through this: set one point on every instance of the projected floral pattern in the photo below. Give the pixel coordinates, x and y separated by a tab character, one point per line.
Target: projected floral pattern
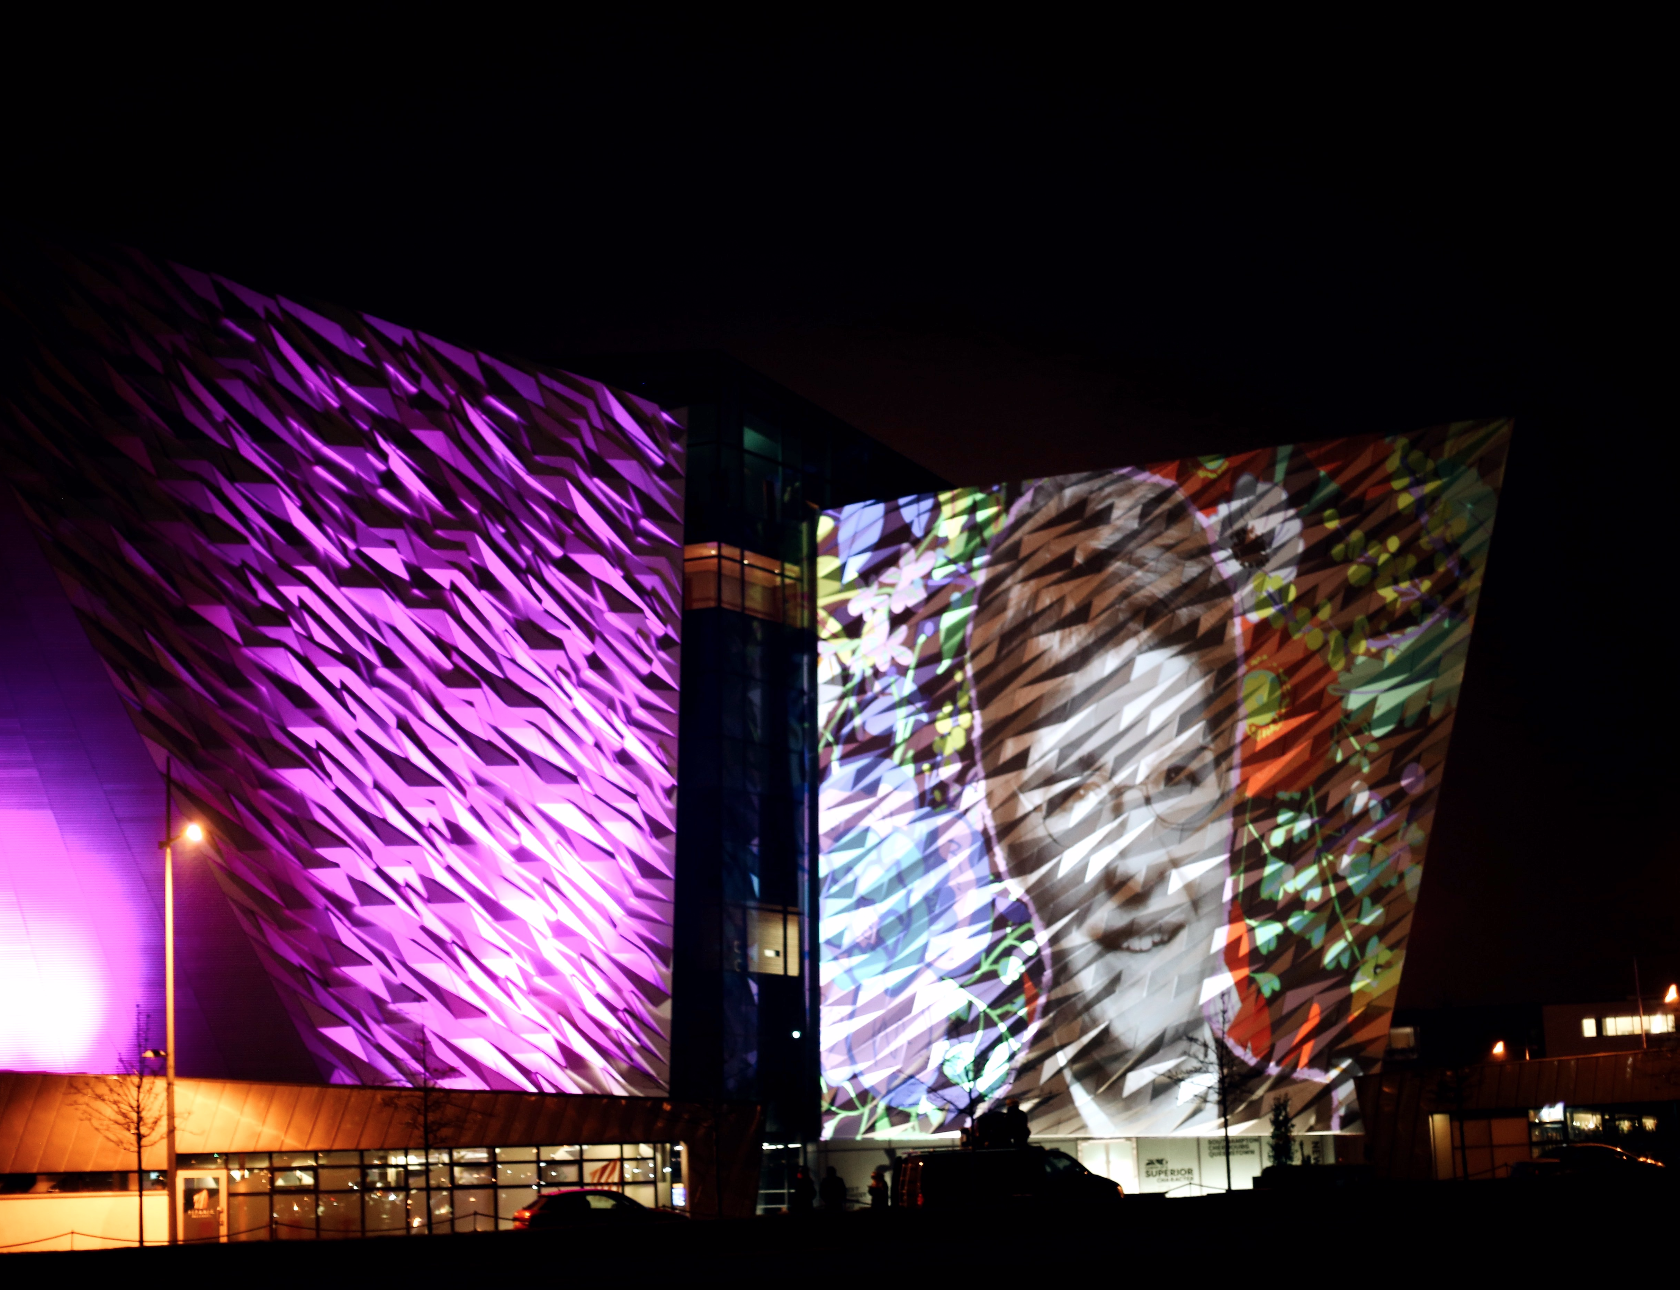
406	618
1328	591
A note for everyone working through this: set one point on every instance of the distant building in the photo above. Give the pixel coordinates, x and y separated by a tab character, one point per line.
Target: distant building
1469	1091
1576	1029
1475	1121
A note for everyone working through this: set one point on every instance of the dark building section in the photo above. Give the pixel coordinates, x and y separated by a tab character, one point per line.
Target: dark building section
1464	1035
762	464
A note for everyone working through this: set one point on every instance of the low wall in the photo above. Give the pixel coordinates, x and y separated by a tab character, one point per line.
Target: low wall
90	1220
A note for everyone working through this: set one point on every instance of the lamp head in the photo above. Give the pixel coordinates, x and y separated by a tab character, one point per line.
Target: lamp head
193	833
1499	1048
1673	995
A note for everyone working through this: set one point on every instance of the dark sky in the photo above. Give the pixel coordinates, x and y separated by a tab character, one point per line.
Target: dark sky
1027	253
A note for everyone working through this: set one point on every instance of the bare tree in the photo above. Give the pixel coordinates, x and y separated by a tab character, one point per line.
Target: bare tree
428	1107
1217	1077
128	1109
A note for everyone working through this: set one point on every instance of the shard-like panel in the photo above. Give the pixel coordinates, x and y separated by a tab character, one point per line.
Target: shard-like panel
405	619
1128	770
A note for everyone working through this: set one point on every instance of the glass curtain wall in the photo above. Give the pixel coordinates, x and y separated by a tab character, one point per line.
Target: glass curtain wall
747	771
762	463
319	1195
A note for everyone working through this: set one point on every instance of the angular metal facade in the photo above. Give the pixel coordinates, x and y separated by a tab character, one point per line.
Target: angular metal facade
405	618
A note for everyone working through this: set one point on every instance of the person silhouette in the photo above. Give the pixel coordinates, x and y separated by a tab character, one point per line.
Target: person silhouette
880	1192
990	1129
804	1192
833	1192
1015	1124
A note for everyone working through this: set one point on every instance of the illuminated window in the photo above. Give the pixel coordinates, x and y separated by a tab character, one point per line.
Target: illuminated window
1661	1024
1648	1123
1591	1121
719	576
772	940
289	1196
1589	1027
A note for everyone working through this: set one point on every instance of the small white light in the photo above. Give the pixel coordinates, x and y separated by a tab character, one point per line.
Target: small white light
796	1034
194	833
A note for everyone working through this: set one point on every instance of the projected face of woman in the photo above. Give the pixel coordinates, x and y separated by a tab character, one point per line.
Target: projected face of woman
1107	677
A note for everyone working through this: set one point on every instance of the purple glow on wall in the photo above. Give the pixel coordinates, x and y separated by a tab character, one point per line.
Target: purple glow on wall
407	618
77	922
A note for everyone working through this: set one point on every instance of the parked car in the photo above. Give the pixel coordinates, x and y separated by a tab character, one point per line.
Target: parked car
583	1207
956	1180
1314	1177
1593	1164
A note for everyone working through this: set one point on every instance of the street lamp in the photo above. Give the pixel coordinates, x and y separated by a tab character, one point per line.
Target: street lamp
193	832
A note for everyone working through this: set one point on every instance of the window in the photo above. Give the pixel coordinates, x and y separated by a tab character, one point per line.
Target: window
1661	1023
1589	1027
719	576
316	1196
772	940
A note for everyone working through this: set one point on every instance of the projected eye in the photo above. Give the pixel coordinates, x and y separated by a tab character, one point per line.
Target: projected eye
1069	815
1187	789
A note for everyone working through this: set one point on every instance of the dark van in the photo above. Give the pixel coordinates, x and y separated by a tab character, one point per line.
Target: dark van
943	1182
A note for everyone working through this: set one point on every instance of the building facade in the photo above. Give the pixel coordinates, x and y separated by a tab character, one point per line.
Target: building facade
651	735
1128	782
399	623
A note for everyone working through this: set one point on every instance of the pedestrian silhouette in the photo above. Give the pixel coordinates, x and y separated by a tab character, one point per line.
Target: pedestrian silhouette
991	1130
1015	1124
880	1194
833	1192
804	1191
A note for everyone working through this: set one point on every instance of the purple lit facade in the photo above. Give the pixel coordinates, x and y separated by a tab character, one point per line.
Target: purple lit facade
406	619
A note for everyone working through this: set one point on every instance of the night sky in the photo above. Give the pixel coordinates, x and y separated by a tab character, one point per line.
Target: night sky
1028	254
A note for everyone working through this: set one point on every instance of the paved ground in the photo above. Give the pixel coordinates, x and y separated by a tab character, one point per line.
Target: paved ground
1376	1236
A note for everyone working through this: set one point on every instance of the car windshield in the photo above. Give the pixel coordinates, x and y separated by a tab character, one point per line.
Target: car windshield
1059	1163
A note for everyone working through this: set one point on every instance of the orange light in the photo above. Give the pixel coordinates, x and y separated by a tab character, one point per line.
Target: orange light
1673	995
194	833
1499	1048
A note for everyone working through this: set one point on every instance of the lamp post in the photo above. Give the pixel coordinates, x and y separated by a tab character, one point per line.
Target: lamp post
192	833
